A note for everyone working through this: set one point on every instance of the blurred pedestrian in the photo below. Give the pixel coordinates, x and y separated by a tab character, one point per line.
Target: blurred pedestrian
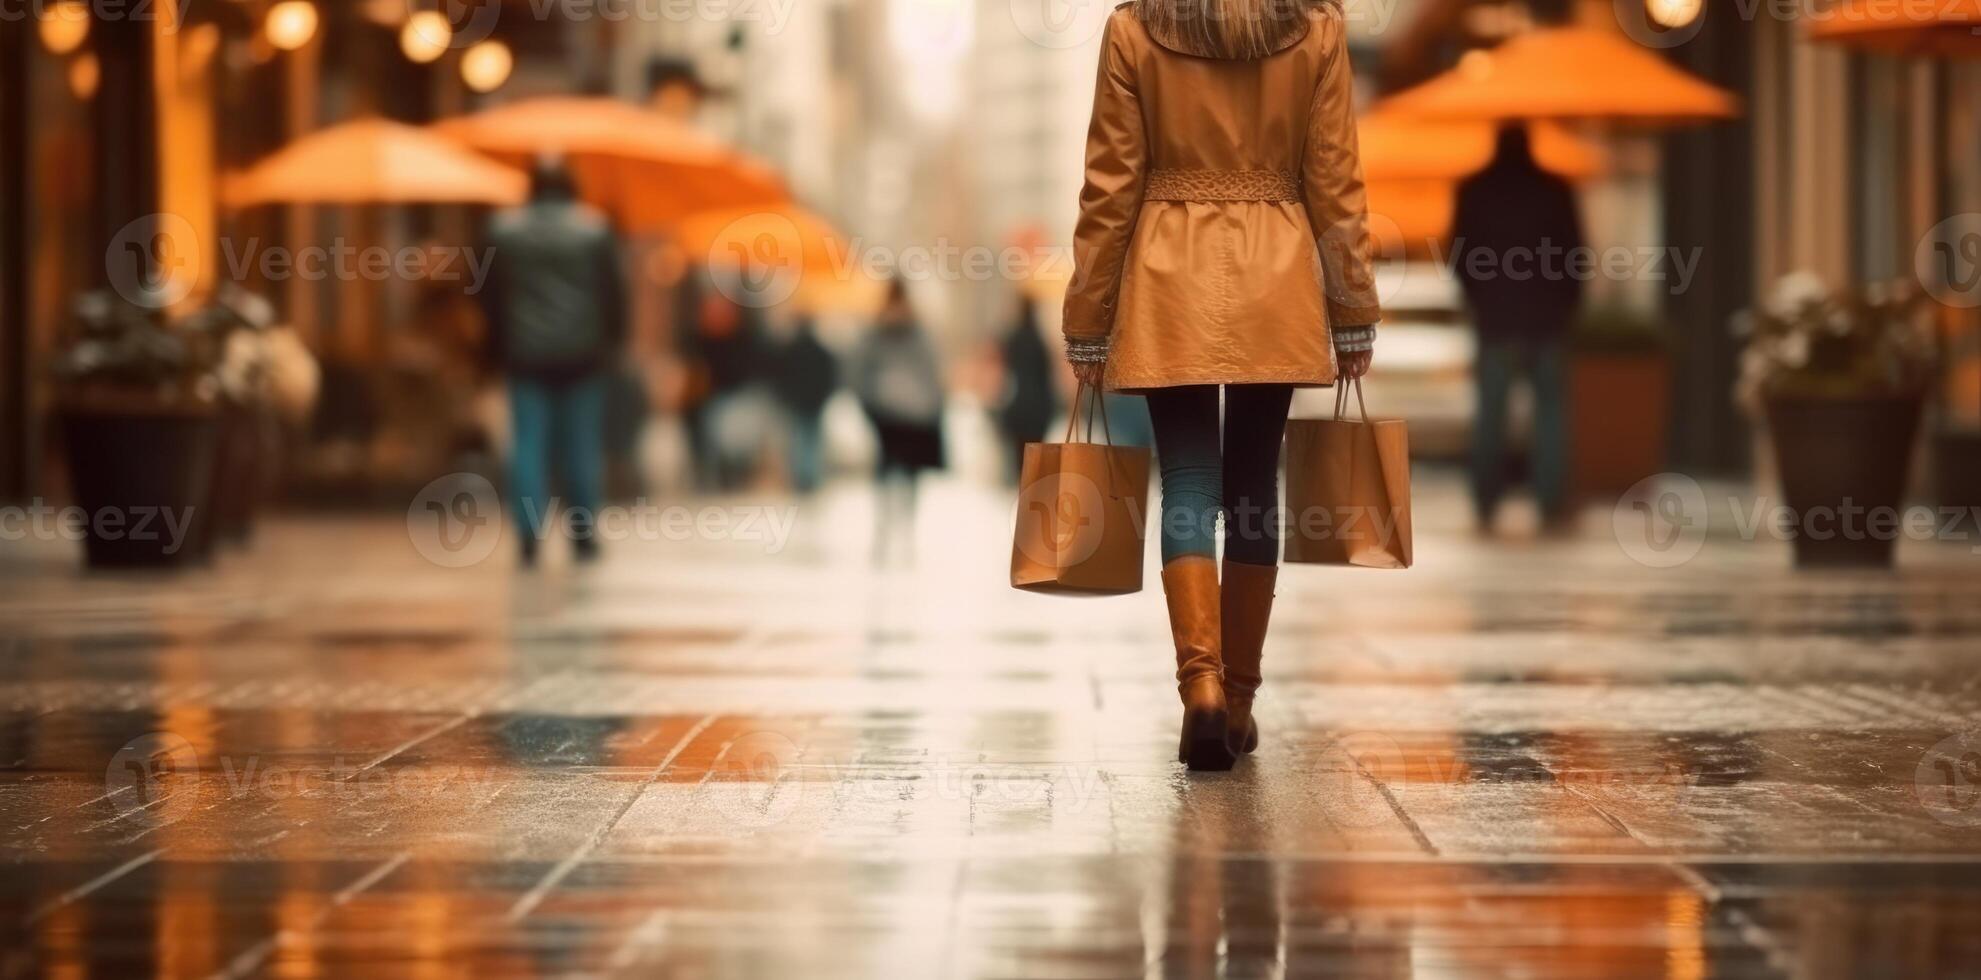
1222	169
1510	217
1029	401
720	339
804	376
556	305
898	379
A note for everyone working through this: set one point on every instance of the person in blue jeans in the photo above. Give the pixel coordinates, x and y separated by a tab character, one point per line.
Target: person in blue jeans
1514	231
555	301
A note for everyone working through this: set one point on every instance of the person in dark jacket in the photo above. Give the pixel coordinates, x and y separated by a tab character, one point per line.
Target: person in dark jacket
804	376
1514	230
1029	399
556	306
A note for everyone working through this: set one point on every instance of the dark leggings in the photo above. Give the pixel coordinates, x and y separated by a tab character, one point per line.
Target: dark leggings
1237	478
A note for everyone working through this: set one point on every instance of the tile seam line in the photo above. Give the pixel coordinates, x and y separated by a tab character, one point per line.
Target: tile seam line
535	896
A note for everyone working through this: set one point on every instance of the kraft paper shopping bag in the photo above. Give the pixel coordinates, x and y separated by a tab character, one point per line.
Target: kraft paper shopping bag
1082	512
1348	489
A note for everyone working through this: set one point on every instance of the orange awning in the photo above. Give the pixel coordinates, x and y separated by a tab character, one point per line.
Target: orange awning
649	171
376	161
1567	73
1929	28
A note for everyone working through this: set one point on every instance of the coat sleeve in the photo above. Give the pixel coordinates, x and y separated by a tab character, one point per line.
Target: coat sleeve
1117	155
1337	205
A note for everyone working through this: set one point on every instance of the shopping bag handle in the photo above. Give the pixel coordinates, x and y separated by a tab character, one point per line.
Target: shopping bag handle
1341	398
1080	397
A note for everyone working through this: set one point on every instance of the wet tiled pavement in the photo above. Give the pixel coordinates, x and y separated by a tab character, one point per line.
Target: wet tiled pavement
704	759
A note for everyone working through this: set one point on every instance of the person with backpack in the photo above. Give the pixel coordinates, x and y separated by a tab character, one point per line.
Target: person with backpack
556	305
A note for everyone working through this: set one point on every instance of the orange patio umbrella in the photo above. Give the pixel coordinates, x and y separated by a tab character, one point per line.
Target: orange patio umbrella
1413	166
1398	146
1567	73
375	161
777	243
1929	28
649	171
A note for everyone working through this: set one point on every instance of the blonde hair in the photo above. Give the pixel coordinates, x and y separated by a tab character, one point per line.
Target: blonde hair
1240	29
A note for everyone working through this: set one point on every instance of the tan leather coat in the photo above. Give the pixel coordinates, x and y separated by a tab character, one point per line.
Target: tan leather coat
1223	225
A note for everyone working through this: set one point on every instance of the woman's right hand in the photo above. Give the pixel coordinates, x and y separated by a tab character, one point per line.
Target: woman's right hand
1090	373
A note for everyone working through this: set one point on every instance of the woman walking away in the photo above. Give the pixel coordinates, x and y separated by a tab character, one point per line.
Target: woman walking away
1222	248
899	382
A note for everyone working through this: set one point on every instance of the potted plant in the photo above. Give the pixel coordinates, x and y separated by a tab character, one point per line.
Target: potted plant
1620	398
1840	378
136	408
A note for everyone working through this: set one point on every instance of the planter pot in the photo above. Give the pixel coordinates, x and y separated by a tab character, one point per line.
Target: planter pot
1839	455
131	471
1957	471
243	460
1621	406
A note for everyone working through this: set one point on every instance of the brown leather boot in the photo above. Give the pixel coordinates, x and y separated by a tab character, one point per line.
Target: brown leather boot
1247	603
1190	585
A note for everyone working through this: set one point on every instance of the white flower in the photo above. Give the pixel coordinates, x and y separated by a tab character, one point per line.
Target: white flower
1794	291
1794	350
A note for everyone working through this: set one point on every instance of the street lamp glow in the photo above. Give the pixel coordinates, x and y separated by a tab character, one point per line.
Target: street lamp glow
290	24
487	65
426	36
85	75
64	26
1672	14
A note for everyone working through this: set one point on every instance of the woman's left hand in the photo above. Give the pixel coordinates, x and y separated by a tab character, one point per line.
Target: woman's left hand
1356	363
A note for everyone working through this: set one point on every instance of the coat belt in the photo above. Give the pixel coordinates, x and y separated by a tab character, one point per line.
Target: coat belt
1221	185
